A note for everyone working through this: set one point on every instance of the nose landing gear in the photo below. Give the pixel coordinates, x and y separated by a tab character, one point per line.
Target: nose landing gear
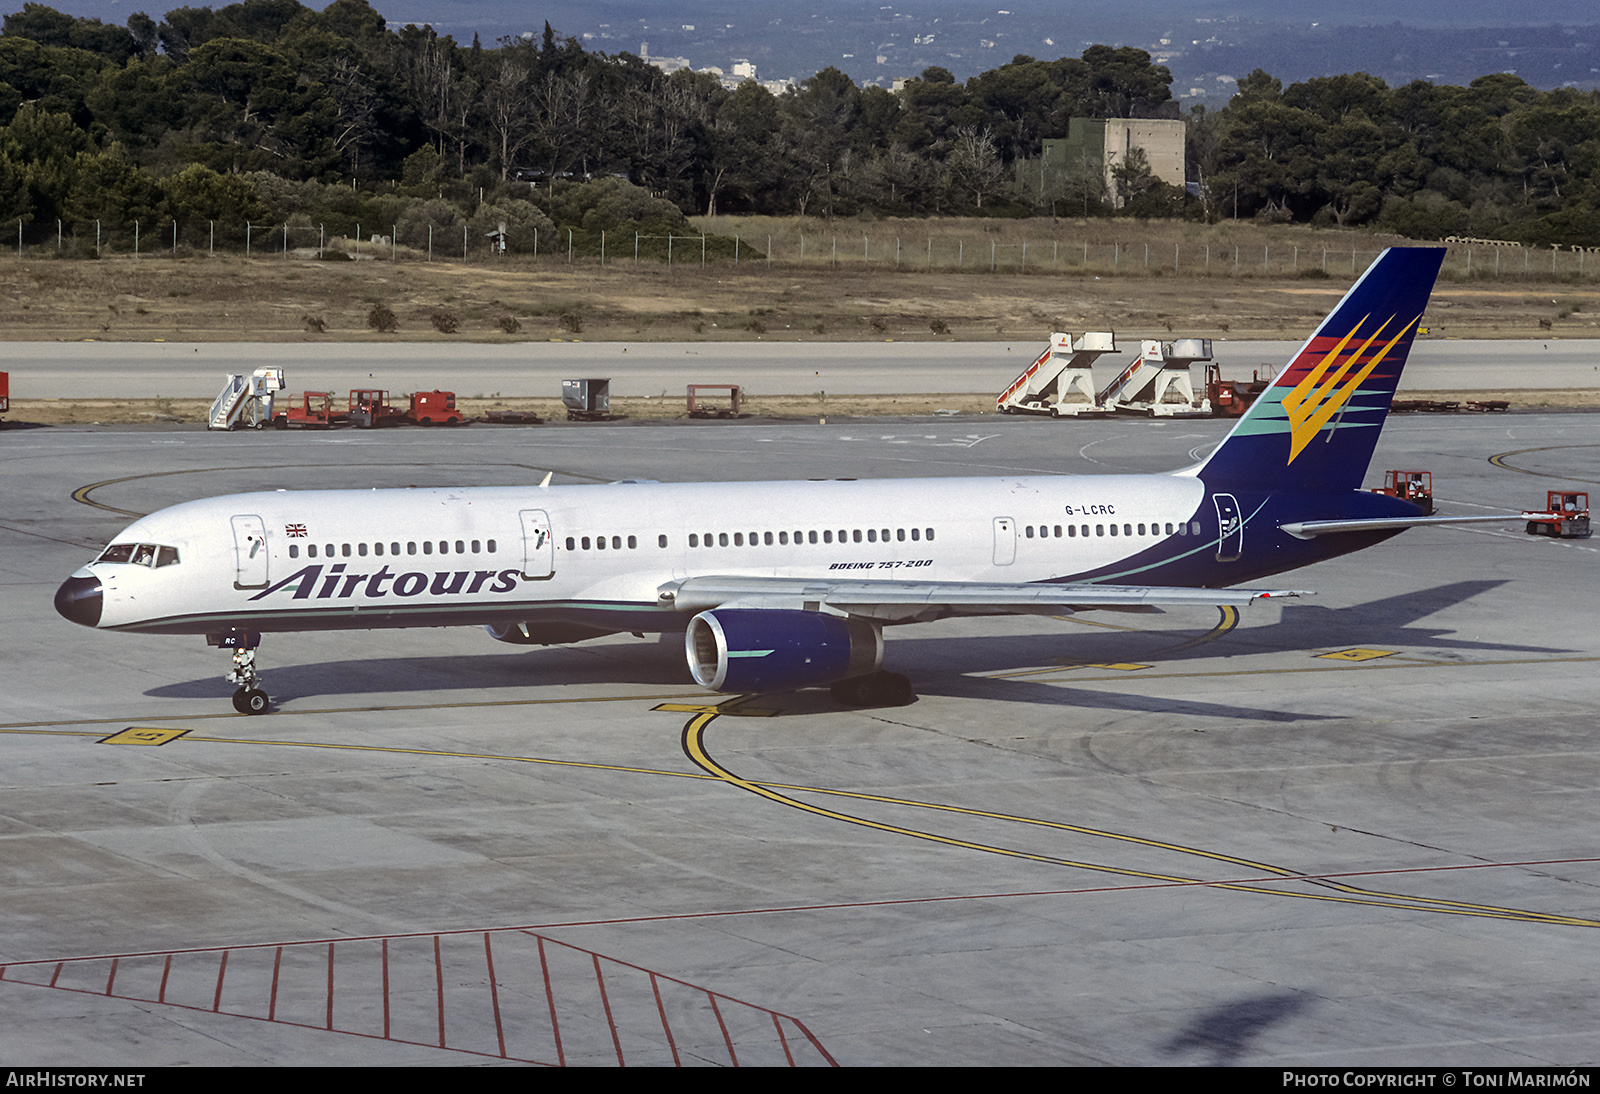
249	699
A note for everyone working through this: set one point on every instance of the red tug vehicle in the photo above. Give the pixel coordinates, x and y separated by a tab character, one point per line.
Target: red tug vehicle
428	407
313	411
1566	516
1413	486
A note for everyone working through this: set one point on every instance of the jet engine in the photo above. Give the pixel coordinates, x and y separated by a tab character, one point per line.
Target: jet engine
760	649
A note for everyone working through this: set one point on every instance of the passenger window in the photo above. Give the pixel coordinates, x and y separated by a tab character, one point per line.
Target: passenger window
1027	532
361	549
1058	531
572	544
633	543
585	542
411	548
661	541
738	539
1194	528
490	545
856	536
766	537
477	547
600	543
783	539
1072	531
872	535
427	546
900	535
294	550
311	551
694	540
1099	529
344	549
722	539
916	534
929	534
827	535
377	548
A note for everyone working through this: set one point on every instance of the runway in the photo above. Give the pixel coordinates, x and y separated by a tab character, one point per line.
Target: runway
142	370
1358	829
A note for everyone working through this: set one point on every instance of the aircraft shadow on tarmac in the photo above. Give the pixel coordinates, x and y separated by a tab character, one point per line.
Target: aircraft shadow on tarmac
1226	1032
952	667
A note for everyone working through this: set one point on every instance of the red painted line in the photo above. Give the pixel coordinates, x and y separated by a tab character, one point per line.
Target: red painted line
605	1001
555	1027
812	1037
222	970
385	989
438	981
111	977
56	973
166	971
726	1039
666	1027
330	988
494	994
782	1040
272	1000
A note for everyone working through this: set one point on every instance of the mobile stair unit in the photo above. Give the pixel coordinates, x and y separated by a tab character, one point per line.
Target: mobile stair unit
246	401
1064	368
1157	384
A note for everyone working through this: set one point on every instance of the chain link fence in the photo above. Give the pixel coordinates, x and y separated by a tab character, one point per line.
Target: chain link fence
933	251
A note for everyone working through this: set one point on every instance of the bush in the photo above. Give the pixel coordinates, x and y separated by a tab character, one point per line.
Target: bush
445	323
938	326
572	322
509	324
382	320
315	324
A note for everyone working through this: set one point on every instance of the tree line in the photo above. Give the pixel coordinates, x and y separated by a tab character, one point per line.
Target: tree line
267	110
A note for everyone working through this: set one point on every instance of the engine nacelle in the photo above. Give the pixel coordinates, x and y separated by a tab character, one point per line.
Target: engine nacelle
760	649
542	634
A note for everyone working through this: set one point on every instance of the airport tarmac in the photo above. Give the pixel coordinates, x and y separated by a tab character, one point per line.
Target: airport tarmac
178	370
1354	829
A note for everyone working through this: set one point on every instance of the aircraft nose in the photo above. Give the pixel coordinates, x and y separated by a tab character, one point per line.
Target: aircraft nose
79	599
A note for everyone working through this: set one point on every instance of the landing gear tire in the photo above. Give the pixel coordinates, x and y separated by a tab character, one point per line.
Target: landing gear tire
881	689
251	701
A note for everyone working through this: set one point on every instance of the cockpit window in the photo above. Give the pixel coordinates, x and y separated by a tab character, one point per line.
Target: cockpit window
140	554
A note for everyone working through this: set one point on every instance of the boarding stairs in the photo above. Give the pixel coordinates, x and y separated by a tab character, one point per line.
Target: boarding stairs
1157	383
246	401
1047	385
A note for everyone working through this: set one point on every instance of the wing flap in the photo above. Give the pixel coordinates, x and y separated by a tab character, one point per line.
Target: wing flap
931	599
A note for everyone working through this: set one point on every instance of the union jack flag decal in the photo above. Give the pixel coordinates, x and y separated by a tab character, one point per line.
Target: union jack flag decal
294	531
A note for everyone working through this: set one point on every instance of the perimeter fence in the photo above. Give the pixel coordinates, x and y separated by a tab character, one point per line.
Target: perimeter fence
943	252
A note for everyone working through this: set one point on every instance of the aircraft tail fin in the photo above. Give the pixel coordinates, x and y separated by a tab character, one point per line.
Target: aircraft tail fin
1316	425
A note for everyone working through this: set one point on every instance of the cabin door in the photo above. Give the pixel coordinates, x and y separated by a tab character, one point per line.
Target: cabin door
538	546
250	552
1005	541
1230	528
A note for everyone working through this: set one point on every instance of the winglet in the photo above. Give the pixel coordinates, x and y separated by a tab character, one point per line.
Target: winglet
548	475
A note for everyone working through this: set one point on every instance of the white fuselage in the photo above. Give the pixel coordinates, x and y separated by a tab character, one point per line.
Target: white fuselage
293	560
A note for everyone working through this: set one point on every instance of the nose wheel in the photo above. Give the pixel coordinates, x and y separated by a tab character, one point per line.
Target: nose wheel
250	698
251	701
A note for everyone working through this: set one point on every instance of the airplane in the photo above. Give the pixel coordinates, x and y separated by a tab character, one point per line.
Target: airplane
785	585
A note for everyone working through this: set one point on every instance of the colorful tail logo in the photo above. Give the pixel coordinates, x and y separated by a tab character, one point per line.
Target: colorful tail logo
1315	400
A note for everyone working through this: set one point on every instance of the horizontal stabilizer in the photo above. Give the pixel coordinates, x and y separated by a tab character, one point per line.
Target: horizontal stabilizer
1310	529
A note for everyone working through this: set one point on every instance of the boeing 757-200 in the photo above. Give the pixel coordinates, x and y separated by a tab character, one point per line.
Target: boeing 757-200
781	585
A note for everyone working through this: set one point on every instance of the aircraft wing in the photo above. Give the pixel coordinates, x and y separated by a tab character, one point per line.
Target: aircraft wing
905	601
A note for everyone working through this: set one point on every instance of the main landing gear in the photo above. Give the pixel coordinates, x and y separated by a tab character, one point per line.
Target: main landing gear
250	698
881	689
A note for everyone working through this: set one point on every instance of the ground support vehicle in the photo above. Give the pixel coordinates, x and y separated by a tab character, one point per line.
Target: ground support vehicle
1413	486
314	410
1565	516
430	407
369	408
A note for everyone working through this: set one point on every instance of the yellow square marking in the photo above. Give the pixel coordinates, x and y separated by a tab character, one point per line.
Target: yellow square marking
1358	654
1120	666
139	735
